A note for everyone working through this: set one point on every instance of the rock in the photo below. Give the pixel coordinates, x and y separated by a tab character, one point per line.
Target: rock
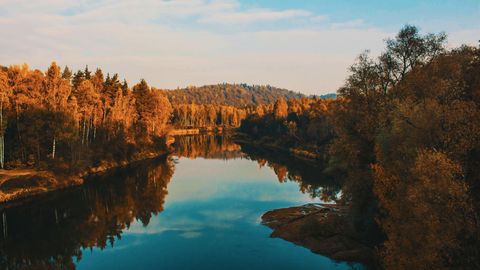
321	228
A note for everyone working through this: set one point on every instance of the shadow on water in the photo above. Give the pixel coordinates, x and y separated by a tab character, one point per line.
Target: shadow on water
51	232
309	175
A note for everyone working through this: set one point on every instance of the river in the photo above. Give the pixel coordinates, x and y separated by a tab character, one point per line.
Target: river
198	208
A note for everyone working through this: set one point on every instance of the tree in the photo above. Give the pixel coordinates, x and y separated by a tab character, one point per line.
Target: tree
152	107
67	73
434	200
5	93
78	77
87	99
410	49
280	109
56	92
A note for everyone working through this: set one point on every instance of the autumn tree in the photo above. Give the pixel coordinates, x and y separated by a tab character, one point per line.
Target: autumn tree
87	100
152	107
5	94
280	109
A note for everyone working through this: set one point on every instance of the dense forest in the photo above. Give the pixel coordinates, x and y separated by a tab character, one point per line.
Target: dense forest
238	95
300	124
207	115
405	134
57	118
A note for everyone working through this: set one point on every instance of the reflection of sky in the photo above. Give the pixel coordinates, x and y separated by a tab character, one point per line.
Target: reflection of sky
211	221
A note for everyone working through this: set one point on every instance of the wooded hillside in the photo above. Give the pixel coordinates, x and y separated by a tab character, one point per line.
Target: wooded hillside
239	95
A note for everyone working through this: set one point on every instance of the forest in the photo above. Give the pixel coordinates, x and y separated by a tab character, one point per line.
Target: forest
57	118
403	134
238	95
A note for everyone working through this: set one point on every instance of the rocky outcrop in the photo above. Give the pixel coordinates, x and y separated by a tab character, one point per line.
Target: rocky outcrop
322	228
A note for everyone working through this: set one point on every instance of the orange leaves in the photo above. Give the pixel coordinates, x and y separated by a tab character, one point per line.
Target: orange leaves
280	109
210	115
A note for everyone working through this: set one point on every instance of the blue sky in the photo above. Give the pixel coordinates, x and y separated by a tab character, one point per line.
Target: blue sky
432	15
304	45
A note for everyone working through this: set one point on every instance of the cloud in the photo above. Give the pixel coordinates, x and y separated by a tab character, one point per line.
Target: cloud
466	36
180	42
348	24
254	15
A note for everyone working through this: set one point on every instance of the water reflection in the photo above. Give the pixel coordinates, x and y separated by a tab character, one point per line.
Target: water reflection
311	177
211	208
51	232
207	146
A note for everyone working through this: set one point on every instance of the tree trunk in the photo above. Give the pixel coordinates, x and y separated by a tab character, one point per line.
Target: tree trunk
53	148
88	133
4	224
83	132
2	151
19	134
2	137
38	152
94	128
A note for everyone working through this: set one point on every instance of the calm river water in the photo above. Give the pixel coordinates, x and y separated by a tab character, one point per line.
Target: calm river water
197	209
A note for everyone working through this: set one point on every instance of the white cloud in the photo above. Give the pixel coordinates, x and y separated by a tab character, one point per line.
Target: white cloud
348	24
254	15
466	36
181	42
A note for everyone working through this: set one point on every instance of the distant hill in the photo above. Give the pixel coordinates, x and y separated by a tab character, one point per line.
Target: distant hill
229	94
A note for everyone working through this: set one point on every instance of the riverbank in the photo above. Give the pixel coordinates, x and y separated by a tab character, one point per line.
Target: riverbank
270	144
20	184
197	131
322	228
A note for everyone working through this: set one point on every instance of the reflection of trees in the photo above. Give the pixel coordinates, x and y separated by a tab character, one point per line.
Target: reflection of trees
207	146
49	233
311	177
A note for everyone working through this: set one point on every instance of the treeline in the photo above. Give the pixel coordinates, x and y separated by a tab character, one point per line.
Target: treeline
302	124
405	134
57	117
207	115
237	95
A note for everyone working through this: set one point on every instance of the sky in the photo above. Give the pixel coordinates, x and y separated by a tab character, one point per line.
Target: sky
303	45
